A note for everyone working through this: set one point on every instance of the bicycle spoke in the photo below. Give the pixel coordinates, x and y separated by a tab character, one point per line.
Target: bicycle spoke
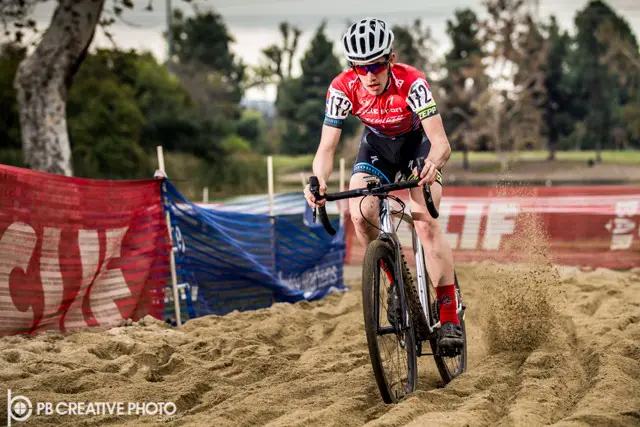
395	360
391	347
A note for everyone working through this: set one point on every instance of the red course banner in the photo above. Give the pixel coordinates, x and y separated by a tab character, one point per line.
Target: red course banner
588	226
78	253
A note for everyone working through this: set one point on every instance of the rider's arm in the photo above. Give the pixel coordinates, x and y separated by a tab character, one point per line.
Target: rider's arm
323	162
421	100
440	147
337	109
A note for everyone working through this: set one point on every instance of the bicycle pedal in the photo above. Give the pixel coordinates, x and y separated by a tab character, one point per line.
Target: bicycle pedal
448	352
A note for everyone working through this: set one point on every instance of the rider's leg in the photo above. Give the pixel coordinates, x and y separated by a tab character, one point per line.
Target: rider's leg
439	261
371	161
437	251
361	213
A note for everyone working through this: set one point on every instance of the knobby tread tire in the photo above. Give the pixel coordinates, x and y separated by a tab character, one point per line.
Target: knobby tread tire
376	250
413	300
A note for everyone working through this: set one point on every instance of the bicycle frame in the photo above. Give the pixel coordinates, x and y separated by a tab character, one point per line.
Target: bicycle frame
386	225
388	234
421	272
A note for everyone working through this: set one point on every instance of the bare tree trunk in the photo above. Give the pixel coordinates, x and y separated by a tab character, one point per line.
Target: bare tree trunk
598	150
465	158
552	149
43	80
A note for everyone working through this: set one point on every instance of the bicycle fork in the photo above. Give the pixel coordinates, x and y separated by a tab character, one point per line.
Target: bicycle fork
387	232
422	280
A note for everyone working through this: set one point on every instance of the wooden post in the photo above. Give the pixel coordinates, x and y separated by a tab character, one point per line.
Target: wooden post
205	195
270	183
342	188
172	259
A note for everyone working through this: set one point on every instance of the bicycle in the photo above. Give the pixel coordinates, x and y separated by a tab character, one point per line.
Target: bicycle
413	317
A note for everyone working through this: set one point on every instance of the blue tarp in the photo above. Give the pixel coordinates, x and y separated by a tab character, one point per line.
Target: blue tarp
229	261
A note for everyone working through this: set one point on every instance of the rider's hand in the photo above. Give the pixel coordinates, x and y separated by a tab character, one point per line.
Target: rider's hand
312	200
429	173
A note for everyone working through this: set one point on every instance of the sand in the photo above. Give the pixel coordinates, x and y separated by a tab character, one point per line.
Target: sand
569	359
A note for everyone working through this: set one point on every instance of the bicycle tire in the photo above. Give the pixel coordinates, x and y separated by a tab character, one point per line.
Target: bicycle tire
420	323
445	372
378	250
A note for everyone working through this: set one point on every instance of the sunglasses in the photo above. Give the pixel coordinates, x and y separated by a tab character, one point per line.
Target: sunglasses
363	70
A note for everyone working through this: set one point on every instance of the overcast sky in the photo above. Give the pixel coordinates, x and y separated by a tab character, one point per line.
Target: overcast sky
253	23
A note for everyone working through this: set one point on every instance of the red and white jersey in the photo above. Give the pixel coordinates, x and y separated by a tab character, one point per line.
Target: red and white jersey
396	111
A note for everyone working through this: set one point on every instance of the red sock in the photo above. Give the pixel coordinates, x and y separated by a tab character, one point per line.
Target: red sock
447	304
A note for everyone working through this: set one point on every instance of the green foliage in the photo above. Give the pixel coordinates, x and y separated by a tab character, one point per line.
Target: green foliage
463	64
597	89
466	44
123	104
235	143
205	40
243	173
302	100
557	114
105	123
252	127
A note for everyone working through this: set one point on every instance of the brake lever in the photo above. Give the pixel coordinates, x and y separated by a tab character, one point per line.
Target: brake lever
426	191
314	188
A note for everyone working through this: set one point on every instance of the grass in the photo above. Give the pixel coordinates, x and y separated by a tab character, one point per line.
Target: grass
284	164
186	170
618	157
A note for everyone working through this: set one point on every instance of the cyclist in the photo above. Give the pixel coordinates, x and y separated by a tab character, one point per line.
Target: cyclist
396	106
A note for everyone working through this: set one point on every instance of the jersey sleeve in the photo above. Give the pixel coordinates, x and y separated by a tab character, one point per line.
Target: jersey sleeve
338	104
419	97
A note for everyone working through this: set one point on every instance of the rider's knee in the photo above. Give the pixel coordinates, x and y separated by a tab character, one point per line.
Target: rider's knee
428	229
361	222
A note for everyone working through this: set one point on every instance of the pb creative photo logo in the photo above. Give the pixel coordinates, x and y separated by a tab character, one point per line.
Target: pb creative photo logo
19	408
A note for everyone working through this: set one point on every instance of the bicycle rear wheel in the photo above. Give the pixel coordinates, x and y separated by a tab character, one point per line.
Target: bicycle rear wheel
391	349
449	365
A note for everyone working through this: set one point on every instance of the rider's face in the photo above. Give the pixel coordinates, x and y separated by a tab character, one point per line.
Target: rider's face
375	75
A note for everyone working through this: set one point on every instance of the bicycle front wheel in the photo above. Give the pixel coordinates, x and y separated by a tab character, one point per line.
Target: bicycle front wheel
392	349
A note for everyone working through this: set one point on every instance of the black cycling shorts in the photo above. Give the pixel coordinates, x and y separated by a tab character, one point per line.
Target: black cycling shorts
391	160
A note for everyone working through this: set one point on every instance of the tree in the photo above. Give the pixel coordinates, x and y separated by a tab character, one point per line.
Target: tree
123	105
518	53
202	43
105	124
414	45
465	82
302	100
597	86
44	78
622	60
43	81
557	109
277	61
531	61
253	128
10	144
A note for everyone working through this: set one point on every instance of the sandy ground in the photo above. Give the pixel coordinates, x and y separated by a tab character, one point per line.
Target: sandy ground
547	346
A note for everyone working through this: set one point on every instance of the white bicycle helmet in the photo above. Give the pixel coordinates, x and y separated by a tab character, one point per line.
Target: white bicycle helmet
367	40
